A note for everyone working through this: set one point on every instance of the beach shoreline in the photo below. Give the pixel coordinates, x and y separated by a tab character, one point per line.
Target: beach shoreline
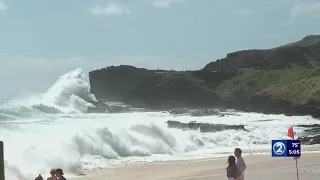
213	168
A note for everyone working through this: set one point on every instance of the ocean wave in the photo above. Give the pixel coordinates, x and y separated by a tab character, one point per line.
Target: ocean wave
69	94
79	142
51	130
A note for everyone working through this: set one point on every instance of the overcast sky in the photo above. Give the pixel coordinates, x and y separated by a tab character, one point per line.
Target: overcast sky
40	40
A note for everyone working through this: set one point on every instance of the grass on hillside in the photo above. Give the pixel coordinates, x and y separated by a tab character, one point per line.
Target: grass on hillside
298	85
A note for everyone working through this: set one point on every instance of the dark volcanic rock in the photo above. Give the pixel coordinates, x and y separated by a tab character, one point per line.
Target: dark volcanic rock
101	107
120	109
156	89
172	91
196	112
310	140
98	107
104	106
114	83
203	127
312	135
313	130
310	126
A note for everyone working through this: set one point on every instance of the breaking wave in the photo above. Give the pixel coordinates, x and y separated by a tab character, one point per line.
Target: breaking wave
69	94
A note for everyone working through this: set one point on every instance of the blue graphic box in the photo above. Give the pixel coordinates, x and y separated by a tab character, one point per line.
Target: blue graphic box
286	148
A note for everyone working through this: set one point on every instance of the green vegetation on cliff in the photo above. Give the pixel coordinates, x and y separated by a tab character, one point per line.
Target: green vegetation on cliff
297	82
297	85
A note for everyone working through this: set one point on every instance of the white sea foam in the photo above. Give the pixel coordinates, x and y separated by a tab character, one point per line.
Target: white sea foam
36	141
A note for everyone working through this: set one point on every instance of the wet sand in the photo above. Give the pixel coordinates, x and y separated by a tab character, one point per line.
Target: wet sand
258	167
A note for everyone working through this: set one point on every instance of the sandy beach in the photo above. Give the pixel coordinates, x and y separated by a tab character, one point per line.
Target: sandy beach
258	167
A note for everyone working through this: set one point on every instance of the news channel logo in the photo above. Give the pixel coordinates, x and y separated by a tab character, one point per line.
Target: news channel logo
286	148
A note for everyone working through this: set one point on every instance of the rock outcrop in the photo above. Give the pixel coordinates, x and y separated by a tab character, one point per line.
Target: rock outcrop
311	135
156	89
114	83
203	127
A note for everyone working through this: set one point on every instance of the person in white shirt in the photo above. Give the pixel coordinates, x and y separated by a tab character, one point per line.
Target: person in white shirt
240	162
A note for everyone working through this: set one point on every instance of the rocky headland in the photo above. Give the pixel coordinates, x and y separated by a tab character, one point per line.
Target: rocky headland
280	80
284	79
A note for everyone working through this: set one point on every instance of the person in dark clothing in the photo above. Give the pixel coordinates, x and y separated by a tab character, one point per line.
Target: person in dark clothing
39	177
232	170
59	174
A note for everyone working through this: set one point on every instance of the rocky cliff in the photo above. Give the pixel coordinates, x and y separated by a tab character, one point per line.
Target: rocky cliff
114	83
285	79
156	89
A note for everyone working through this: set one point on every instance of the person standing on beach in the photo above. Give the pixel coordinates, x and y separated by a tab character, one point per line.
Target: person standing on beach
240	162
59	174
39	177
53	175
233	172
